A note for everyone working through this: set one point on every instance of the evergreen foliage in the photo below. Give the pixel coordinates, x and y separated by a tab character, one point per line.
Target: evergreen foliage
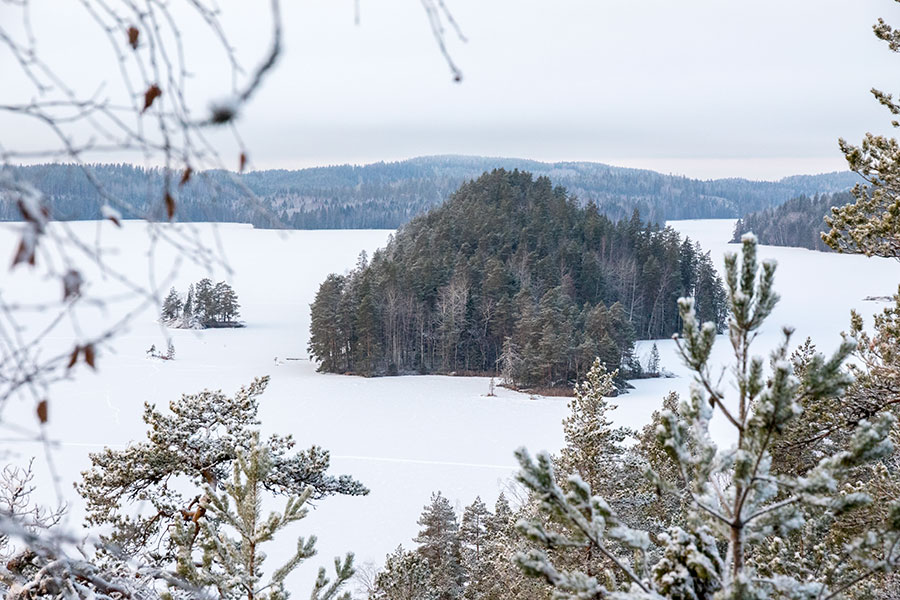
474	537
231	563
511	274
871	225
171	308
152	352
439	545
653	361
387	195
206	305
739	506
190	449
470	561
594	447
799	222
406	576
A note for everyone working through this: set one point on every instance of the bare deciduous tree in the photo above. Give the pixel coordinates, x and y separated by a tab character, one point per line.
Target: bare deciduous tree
143	110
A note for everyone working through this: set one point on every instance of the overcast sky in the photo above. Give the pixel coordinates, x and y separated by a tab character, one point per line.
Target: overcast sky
706	88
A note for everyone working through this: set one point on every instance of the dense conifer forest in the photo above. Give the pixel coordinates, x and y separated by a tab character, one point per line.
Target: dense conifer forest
511	274
387	195
799	222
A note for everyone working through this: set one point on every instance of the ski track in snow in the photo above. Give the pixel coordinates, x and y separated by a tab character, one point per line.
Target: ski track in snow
403	437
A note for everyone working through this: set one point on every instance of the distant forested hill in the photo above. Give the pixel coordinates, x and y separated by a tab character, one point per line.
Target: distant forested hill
386	195
510	273
798	222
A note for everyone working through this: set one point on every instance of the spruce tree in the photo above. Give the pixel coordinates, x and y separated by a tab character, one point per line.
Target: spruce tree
439	544
171	308
653	361
327	340
593	444
474	540
189	303
506	581
709	295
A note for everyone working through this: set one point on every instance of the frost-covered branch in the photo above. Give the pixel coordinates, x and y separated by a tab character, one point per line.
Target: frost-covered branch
736	500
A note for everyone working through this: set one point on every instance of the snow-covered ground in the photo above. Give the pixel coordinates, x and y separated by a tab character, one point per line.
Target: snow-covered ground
404	437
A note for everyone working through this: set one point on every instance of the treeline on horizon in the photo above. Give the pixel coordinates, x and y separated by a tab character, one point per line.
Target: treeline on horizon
511	275
799	222
387	195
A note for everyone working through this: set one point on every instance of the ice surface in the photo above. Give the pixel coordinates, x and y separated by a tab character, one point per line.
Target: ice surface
404	437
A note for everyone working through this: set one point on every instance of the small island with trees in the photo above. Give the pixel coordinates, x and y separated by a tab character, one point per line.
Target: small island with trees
206	305
512	276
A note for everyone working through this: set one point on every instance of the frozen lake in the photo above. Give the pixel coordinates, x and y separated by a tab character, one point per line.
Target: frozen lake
404	437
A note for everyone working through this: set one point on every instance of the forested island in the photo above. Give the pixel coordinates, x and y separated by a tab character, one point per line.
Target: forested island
511	274
799	222
387	195
204	306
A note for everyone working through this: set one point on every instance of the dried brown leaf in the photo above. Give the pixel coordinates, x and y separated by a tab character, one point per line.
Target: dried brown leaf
112	214
170	206
89	355
74	357
186	176
42	411
24	254
243	161
133	35
153	92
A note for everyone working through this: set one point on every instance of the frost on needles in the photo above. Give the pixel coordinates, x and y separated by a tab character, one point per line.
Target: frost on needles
738	508
199	478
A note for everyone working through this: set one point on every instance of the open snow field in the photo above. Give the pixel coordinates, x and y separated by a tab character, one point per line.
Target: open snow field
404	437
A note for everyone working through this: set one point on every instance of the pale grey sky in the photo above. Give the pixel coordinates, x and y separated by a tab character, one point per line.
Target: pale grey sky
706	88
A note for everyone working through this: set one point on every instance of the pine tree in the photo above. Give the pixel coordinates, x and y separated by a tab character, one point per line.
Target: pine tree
170	350
474	539
225	304
871	225
737	504
232	563
196	441
171	308
439	544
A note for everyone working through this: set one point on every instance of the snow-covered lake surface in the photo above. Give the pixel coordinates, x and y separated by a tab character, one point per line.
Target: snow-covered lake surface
404	437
